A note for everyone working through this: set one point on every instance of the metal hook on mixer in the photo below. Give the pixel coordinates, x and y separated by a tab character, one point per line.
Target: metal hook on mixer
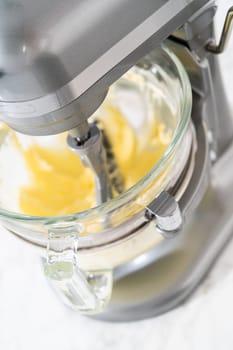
225	35
92	154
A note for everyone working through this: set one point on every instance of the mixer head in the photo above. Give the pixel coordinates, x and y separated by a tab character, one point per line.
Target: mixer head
57	60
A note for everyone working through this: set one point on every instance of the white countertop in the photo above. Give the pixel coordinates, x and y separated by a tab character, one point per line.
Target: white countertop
31	317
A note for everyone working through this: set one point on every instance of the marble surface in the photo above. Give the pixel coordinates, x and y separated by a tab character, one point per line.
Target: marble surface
32	318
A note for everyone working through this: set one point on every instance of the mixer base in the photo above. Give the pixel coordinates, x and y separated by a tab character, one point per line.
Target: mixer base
172	270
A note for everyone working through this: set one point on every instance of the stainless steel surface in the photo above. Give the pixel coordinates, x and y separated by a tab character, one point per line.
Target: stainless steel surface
225	35
93	156
81	133
198	29
166	212
66	55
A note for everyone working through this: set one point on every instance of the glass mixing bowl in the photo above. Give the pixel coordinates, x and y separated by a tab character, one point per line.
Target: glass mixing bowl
83	248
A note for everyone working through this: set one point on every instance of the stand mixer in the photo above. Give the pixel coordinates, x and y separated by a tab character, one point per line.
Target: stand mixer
57	62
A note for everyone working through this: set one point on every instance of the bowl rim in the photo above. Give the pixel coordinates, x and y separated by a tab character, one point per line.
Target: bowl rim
127	195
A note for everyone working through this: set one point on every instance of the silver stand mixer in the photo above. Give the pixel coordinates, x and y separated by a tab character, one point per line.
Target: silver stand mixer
57	62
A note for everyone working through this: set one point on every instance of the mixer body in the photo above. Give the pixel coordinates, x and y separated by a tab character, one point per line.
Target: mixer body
67	78
168	274
164	277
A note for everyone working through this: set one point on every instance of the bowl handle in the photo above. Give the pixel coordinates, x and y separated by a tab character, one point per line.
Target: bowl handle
85	291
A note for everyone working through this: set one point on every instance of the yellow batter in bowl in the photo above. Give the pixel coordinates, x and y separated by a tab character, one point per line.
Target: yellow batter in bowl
60	184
